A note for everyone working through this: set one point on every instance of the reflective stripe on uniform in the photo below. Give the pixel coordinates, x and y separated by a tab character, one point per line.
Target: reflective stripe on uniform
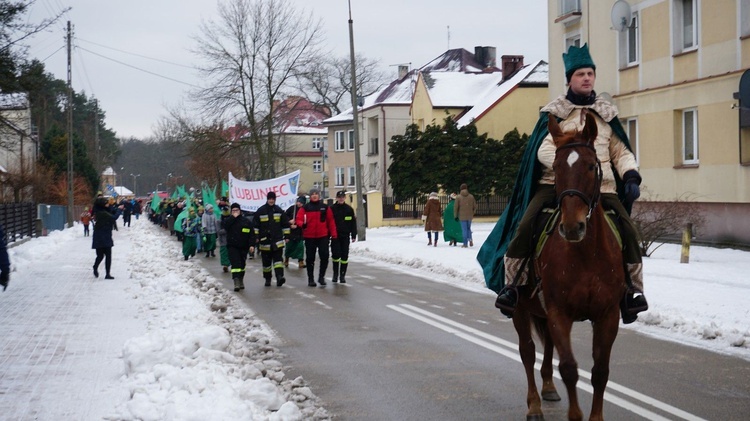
238	270
245	230
347	218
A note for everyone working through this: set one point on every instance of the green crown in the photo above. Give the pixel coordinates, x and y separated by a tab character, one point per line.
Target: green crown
576	58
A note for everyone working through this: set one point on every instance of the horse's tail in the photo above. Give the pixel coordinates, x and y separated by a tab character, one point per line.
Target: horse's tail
540	327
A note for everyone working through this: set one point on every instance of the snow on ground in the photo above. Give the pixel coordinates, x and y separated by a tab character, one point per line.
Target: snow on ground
702	303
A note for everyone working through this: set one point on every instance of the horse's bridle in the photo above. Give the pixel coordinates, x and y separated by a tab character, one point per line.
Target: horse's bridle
590	202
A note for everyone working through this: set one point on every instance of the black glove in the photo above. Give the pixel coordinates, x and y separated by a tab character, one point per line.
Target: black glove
4	278
632	192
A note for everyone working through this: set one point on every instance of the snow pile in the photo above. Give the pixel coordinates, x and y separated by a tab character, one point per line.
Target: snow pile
205	356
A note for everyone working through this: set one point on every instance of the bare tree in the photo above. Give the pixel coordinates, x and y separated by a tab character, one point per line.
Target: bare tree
328	82
252	54
659	220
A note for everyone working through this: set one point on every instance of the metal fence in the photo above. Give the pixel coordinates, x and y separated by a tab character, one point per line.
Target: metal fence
18	220
413	207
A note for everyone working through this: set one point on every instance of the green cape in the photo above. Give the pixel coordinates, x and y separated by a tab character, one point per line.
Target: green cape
452	227
491	254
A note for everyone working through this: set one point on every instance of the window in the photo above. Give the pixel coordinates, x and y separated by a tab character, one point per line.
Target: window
317	166
351	177
372	147
690	136
631	42
631	129
339	146
339	177
745	18
373	175
317	143
686	26
568	6
572	40
350	143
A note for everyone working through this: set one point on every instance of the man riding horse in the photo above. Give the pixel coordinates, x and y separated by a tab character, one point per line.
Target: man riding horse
506	255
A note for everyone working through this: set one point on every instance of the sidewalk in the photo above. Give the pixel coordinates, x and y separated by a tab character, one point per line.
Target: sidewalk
163	340
63	330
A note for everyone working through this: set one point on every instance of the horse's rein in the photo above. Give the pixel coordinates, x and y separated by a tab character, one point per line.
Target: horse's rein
591	203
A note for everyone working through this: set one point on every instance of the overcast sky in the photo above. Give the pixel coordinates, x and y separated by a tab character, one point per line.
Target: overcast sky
391	31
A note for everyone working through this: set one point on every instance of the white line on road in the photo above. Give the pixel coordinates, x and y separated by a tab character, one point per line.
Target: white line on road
512	353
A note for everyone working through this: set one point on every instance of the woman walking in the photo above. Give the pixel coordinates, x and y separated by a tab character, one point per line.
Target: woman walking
102	242
431	217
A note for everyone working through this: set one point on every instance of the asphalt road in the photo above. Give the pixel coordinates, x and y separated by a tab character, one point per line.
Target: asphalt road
389	345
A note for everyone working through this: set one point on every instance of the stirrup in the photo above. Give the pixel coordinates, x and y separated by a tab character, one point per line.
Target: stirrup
506	301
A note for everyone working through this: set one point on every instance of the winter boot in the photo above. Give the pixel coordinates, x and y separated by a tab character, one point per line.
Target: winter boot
335	272
301	264
213	254
96	272
242	281
280	281
268	281
342	273
506	300
286	262
322	273
634	301
279	271
236	284
311	275
226	269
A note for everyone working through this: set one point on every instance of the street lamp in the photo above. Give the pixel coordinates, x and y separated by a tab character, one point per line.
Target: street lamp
135	186
121	174
156	191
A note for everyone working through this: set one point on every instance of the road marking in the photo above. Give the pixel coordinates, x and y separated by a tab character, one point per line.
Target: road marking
478	337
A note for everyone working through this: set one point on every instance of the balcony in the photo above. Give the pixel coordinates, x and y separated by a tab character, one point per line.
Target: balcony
569	11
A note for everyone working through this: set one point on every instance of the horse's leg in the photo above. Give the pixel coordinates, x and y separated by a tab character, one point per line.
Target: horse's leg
549	392
522	322
605	332
560	326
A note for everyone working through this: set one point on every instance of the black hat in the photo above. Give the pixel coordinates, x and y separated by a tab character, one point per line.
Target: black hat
271	195
302	199
341	193
235	205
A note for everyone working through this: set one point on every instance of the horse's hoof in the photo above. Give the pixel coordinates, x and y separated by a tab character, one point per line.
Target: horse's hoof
538	417
551	396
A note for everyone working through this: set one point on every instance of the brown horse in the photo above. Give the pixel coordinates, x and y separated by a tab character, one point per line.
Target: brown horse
582	276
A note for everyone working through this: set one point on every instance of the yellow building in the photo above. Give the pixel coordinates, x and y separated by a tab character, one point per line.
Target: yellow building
467	86
672	68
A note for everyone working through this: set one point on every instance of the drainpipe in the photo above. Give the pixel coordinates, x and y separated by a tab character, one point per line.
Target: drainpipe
385	157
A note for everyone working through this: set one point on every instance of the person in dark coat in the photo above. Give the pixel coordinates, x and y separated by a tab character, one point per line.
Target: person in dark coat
104	222
240	240
432	218
295	248
271	229
4	261
346	227
318	227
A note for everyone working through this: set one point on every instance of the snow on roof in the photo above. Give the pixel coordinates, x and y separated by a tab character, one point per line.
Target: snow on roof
536	73
14	101
306	130
455	89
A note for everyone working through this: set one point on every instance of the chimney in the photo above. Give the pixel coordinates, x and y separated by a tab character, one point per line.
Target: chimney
511	64
486	56
403	70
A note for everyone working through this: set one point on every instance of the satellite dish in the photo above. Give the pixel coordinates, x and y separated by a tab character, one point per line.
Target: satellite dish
621	15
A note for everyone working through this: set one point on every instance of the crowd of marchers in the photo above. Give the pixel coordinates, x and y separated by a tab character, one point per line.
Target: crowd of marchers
306	231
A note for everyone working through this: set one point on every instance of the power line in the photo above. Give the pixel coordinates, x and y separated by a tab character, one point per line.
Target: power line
138	68
45	59
139	55
85	72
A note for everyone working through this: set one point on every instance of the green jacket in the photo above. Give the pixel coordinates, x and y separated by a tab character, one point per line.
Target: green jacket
491	254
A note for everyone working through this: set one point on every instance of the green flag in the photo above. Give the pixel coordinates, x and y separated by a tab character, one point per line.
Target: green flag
155	201
181	191
224	188
175	196
178	220
209	198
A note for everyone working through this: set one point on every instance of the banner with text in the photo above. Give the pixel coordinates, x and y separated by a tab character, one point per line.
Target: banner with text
252	194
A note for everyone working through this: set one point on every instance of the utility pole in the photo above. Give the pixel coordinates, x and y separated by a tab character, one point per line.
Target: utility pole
96	136
70	132
360	212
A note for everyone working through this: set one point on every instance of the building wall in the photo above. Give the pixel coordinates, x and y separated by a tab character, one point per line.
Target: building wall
665	81
520	109
300	155
381	122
